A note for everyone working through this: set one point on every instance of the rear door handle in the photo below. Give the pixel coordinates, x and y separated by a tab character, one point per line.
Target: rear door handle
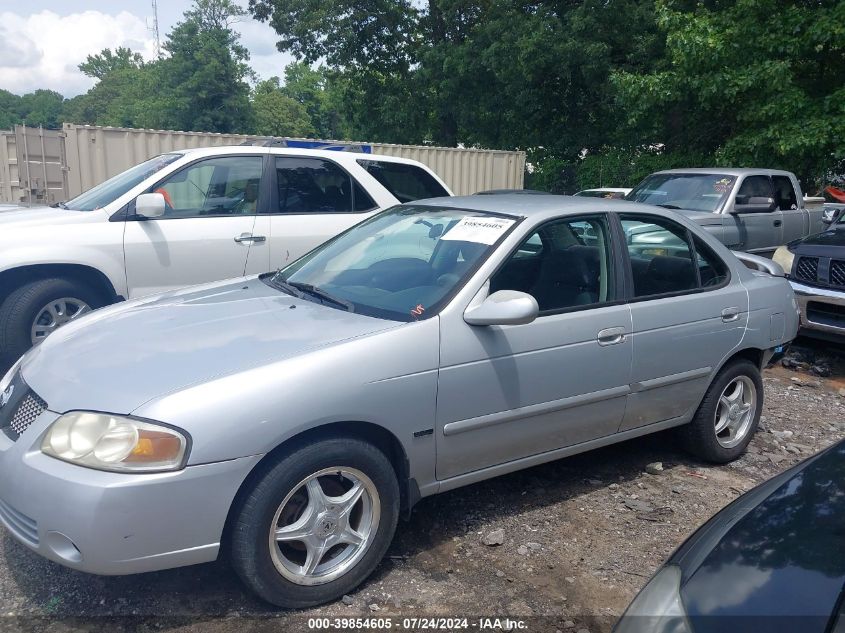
778	222
730	314
611	336
249	237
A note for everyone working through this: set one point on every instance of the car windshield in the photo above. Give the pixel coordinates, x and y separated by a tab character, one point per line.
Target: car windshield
403	264
696	192
110	190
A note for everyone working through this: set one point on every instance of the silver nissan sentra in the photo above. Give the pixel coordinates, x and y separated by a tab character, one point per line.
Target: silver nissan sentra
289	419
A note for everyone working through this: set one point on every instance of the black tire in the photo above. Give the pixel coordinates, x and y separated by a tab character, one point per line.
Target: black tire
19	309
699	436
249	548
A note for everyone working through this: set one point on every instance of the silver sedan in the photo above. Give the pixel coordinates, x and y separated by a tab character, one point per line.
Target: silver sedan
291	418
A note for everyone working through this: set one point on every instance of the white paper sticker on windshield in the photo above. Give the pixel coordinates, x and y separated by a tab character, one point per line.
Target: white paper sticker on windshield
480	230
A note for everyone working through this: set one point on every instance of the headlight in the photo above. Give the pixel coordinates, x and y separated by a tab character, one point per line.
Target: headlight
658	607
7	379
114	443
784	257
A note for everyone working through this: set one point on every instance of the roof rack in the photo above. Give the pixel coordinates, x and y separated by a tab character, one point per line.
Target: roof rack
298	143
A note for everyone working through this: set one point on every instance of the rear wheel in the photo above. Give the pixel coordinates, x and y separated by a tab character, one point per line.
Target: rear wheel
728	415
317	523
37	309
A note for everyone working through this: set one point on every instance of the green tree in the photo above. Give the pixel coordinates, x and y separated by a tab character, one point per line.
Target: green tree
9	109
105	62
277	114
203	81
756	82
42	107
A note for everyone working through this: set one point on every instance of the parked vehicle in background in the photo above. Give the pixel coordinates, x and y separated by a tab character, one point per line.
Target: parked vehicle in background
773	560
816	269
613	193
753	210
185	218
432	346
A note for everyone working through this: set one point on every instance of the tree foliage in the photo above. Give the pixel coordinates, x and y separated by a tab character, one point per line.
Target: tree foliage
277	114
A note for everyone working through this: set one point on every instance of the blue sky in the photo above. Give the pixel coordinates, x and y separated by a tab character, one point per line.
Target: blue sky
42	41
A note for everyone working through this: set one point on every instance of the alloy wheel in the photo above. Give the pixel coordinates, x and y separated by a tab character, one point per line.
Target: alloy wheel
56	314
735	411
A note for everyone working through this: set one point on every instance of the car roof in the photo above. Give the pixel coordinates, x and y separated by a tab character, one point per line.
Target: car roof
292	151
726	171
540	206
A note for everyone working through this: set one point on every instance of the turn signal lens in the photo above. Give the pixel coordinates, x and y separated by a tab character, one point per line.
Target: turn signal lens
114	443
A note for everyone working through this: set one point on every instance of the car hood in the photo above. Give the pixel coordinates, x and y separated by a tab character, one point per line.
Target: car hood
783	555
118	358
703	218
26	217
830	243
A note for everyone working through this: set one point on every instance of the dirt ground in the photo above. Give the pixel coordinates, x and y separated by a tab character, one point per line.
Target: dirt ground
580	537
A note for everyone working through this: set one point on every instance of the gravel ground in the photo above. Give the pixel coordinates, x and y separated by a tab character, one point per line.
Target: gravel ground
579	537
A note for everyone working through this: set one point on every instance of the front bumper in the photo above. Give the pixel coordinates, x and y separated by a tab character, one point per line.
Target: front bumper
113	523
822	309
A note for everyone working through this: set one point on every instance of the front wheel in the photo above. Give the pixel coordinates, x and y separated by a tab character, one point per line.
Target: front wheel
37	309
728	415
316	523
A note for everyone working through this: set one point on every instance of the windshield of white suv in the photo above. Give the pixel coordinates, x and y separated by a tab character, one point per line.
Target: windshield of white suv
403	264
696	192
110	190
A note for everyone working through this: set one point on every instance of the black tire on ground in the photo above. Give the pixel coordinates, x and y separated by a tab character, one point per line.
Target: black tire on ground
18	312
249	547
699	436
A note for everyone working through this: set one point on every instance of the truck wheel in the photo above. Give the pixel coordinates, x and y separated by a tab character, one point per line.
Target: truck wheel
728	415
33	311
316	523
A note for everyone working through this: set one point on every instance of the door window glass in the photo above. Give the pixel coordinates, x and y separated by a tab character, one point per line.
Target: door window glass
784	193
565	264
754	187
314	185
218	186
664	261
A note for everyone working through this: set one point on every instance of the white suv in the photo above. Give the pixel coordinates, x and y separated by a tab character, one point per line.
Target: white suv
183	218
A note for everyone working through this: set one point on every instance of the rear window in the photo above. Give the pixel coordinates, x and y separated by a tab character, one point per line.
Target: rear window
406	182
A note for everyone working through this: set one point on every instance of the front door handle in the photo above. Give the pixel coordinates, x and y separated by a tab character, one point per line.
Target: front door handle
730	314
249	237
611	336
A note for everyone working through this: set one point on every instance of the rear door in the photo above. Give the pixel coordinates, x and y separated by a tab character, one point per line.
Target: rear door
687	316
795	219
206	232
759	232
312	200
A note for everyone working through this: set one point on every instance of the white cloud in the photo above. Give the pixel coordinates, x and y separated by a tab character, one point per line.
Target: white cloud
43	50
260	40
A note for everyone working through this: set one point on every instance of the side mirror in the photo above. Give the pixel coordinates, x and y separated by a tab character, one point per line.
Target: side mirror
754	204
150	205
506	307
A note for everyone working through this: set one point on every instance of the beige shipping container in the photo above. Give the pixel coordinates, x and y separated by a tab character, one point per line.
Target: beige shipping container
97	153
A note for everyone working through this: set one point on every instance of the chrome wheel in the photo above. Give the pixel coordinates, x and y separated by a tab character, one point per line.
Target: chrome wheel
735	411
324	526
55	314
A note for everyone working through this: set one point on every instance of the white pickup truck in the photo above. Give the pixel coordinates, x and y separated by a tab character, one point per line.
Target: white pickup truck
184	218
752	210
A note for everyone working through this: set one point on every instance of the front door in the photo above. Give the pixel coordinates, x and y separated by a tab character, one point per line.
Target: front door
313	200
507	392
759	233
687	317
206	233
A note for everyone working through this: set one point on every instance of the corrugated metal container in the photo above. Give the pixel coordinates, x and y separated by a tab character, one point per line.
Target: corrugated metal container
97	153
32	166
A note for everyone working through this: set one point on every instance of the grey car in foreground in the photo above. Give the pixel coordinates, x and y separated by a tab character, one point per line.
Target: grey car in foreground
290	419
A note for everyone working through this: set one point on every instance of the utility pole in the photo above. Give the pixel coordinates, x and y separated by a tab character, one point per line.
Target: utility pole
155	29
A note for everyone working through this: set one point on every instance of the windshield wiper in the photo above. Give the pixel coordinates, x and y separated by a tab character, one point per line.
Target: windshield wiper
669	206
61	205
281	284
322	295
